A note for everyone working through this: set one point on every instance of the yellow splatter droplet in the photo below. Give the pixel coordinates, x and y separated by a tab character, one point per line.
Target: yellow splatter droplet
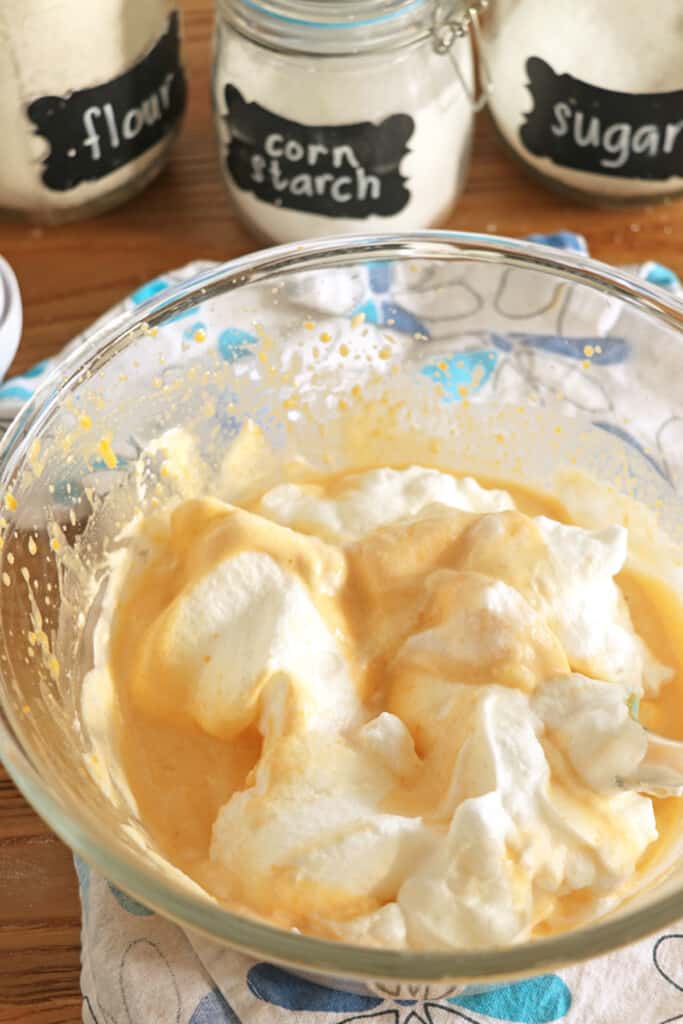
85	421
356	391
463	390
588	350
107	452
344	350
32	546
343	405
10	502
585	364
26	709
309	325
558	429
357	320
384	353
55	544
325	337
53	667
199	335
442	365
500	438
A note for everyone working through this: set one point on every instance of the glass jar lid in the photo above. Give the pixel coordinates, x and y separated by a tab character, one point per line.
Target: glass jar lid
343	14
343	27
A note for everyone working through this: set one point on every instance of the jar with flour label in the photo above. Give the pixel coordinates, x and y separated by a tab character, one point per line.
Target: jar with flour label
91	94
590	94
345	116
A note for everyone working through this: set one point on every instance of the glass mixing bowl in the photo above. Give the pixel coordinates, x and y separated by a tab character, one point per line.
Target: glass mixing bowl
522	358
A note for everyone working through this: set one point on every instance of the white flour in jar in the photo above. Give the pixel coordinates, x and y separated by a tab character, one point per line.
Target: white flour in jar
105	82
310	187
604	90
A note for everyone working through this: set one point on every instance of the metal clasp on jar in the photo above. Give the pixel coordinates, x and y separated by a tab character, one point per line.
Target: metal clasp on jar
455	19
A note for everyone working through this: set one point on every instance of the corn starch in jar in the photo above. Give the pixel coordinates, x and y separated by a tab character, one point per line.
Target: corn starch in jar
342	117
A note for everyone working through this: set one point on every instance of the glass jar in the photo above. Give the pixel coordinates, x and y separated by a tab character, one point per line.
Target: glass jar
590	95
342	117
91	95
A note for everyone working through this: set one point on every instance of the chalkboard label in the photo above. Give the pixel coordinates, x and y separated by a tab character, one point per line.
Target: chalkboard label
605	132
349	170
94	131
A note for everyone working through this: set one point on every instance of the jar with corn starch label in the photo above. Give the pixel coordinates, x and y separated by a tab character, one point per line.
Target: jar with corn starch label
343	116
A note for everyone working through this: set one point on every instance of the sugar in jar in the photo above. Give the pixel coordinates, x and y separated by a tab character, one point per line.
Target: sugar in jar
353	115
590	94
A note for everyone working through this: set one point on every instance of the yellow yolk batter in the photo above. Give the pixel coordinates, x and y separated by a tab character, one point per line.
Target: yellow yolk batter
382	599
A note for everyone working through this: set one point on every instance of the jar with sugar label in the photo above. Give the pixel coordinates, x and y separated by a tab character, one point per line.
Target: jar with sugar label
91	94
353	115
590	94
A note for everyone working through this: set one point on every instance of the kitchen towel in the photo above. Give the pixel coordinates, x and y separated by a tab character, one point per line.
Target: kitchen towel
139	968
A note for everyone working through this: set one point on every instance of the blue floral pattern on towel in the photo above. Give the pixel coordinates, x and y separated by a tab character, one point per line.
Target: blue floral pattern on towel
535	1001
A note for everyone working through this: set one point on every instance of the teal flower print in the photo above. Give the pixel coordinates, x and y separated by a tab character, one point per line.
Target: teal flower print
535	1001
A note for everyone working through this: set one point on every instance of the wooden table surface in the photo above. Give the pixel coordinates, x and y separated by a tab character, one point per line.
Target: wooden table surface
68	276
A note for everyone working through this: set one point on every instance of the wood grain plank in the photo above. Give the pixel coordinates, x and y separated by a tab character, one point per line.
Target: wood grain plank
38	964
69	275
66	1010
37	882
39	919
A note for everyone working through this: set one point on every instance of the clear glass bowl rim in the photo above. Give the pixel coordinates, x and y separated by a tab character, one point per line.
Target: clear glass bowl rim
89	838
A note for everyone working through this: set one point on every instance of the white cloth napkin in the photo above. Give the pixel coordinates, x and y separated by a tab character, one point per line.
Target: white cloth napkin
137	967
